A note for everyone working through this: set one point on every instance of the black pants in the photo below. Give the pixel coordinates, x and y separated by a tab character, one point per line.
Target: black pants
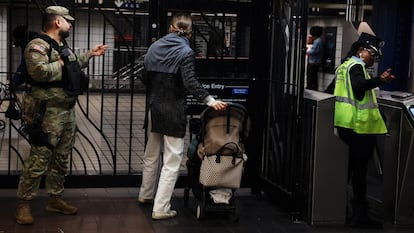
312	76
361	149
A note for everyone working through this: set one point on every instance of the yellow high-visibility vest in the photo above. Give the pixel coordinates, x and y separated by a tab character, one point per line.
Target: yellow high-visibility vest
363	117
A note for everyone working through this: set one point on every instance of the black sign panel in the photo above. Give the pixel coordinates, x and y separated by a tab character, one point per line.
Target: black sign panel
121	4
233	90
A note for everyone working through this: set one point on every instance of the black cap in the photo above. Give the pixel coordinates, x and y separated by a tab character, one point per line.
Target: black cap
371	42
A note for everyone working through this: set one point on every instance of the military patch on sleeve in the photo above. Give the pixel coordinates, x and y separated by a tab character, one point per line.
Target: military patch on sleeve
39	48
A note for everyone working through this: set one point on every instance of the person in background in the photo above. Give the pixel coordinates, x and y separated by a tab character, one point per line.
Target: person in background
358	119
52	142
169	77
315	57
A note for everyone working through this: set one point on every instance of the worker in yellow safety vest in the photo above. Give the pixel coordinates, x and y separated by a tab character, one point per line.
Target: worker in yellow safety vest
358	119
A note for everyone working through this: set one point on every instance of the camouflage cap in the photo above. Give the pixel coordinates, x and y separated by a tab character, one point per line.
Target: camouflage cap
59	10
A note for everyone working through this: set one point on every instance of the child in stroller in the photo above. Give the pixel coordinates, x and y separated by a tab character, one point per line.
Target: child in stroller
216	158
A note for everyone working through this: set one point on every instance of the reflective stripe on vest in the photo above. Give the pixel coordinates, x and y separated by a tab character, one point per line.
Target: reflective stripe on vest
347	100
361	116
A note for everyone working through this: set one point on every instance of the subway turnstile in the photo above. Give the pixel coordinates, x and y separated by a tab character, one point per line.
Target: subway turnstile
396	154
326	158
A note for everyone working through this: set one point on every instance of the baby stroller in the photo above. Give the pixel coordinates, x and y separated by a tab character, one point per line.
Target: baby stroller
216	156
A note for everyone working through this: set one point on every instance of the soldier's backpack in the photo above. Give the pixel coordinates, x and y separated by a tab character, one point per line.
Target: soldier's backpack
74	80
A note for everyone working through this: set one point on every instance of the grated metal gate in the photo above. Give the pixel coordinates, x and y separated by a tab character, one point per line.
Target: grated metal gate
110	141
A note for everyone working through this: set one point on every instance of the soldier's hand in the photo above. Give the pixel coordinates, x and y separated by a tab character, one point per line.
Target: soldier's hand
98	50
60	60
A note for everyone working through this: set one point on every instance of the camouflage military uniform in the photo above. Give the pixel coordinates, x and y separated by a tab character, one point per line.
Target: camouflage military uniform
59	121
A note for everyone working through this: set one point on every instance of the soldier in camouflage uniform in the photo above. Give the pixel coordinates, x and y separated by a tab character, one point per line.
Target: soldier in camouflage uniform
58	126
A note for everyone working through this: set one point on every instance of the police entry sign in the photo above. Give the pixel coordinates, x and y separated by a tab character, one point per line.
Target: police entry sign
233	90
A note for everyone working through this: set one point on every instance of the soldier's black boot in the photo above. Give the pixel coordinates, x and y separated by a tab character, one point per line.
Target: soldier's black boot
360	218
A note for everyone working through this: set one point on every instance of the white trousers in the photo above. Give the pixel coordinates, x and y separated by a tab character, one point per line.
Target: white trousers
173	153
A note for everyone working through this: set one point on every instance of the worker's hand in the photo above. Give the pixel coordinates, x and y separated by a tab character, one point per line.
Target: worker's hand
386	76
219	105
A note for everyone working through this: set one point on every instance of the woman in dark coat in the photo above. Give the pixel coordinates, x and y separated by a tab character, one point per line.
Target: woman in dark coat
169	77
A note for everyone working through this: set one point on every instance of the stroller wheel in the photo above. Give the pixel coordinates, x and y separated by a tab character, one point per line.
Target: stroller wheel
199	211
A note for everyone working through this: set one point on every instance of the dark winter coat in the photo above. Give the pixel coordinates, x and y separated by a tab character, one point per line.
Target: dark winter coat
170	76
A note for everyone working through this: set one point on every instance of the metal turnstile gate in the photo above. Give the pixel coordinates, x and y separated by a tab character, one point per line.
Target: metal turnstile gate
396	154
327	160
